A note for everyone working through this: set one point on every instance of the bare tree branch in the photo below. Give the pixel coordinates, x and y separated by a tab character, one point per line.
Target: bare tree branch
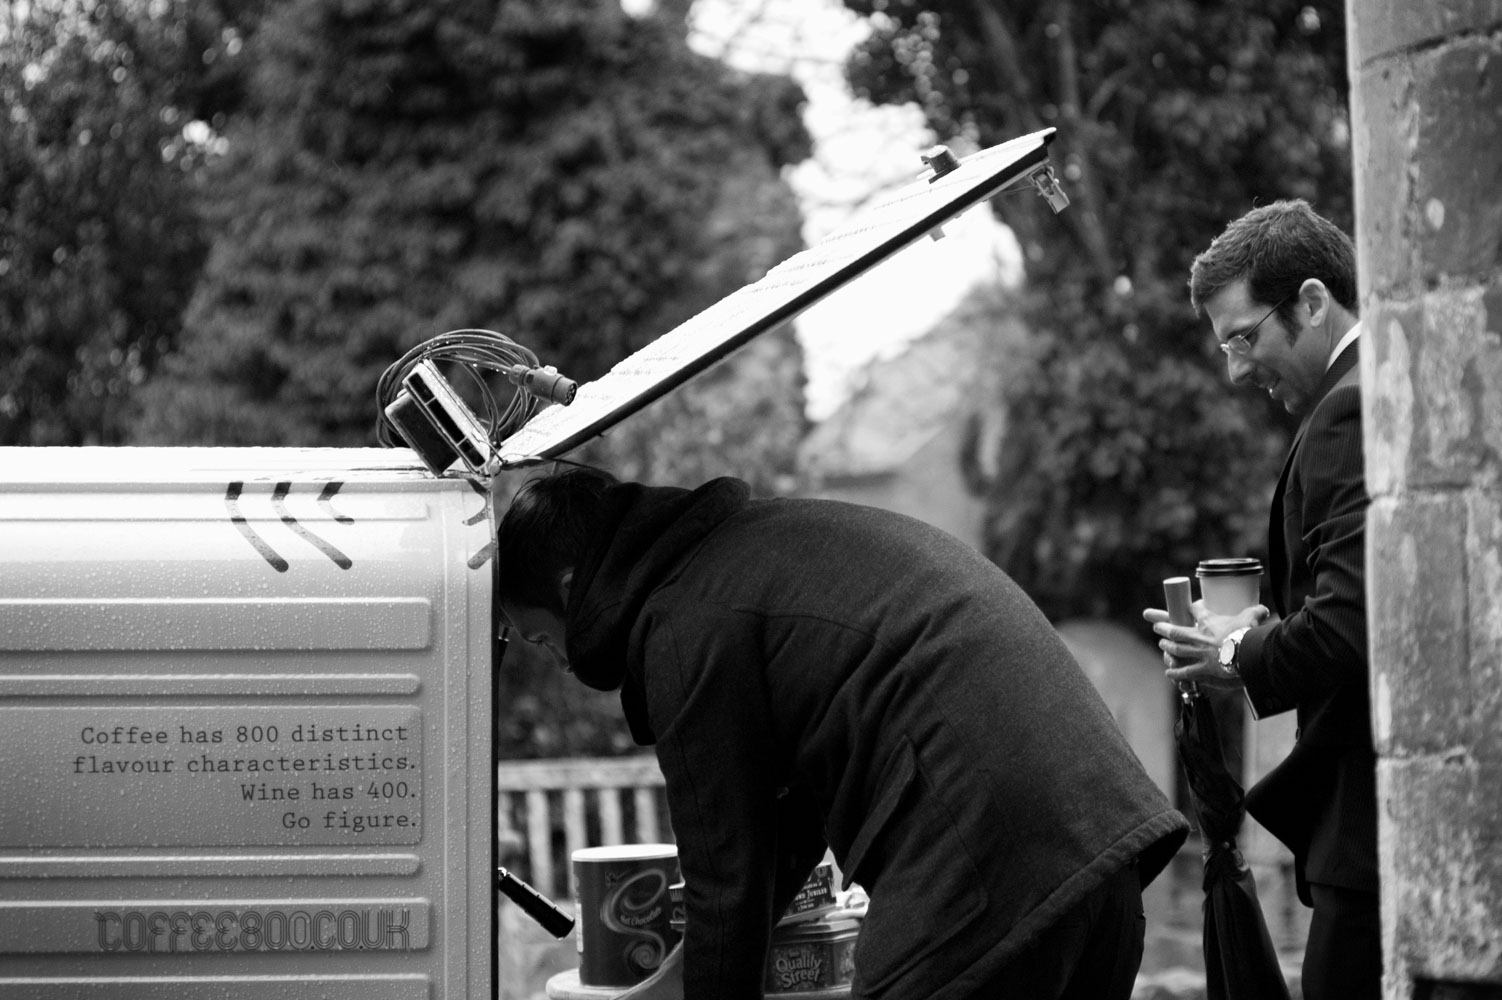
1086	219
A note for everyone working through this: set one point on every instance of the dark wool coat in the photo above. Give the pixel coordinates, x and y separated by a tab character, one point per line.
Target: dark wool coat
1322	800
815	672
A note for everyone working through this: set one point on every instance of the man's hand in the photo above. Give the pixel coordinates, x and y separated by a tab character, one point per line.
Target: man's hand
664	984
1192	653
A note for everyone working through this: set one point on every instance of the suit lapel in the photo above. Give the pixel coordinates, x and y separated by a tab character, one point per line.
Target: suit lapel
1277	552
1342	364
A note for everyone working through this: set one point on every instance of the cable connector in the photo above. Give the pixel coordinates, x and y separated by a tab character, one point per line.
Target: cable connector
1048	188
544	382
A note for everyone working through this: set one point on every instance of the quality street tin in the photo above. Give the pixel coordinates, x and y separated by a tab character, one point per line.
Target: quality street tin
812	956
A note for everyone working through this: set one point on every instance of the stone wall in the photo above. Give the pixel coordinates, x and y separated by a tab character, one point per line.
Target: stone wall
1427	134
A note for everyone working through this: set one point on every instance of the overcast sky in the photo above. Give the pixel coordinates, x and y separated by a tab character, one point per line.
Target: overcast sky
860	150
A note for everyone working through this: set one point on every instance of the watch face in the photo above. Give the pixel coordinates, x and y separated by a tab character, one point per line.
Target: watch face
1227	653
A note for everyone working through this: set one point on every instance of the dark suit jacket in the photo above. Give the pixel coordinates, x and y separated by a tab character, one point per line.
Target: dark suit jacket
1321	801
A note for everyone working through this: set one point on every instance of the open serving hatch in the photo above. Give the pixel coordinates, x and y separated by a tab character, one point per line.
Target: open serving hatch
953	186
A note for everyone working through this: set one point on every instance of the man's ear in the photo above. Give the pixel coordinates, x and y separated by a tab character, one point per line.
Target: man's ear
565	581
1316	297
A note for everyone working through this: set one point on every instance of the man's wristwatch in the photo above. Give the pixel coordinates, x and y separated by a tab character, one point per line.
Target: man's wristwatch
1228	651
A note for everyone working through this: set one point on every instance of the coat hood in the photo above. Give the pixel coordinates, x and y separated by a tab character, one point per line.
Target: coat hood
646	533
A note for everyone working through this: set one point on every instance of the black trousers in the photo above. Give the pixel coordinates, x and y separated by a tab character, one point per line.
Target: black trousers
1343	956
1092	953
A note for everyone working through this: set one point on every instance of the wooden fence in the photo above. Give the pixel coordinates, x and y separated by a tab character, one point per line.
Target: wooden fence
550	808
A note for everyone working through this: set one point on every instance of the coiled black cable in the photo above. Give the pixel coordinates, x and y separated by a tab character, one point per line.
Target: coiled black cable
476	351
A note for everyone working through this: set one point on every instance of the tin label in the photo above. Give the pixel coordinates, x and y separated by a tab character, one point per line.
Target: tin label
822	959
625	926
210	776
817	892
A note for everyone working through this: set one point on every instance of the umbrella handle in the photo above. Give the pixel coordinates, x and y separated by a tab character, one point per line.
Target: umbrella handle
1176	596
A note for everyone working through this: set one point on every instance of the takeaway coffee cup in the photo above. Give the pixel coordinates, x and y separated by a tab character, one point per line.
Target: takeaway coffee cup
624	911
1229	585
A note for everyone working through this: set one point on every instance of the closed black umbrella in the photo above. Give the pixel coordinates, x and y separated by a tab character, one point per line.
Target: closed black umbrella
1240	961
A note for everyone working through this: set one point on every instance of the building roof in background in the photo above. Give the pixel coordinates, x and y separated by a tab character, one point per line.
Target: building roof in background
902	403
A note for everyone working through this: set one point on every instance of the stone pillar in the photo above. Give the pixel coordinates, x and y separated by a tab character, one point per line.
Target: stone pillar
1426	115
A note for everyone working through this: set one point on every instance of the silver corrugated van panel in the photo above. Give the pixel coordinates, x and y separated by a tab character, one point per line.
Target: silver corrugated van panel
245	702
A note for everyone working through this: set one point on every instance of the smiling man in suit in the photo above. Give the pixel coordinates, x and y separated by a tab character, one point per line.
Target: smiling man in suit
1279	288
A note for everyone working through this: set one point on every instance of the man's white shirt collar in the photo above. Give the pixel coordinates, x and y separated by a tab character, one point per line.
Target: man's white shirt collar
1343	343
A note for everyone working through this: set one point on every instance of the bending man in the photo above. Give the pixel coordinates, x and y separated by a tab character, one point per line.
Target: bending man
815	673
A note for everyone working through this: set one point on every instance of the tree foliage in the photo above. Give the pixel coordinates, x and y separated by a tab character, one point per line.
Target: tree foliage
1128	457
101	103
404	167
97	244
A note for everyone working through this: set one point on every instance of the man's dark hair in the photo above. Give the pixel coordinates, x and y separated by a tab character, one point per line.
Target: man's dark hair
1276	248
544	532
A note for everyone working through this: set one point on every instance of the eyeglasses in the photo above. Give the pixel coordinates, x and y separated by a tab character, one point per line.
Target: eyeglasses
1241	344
